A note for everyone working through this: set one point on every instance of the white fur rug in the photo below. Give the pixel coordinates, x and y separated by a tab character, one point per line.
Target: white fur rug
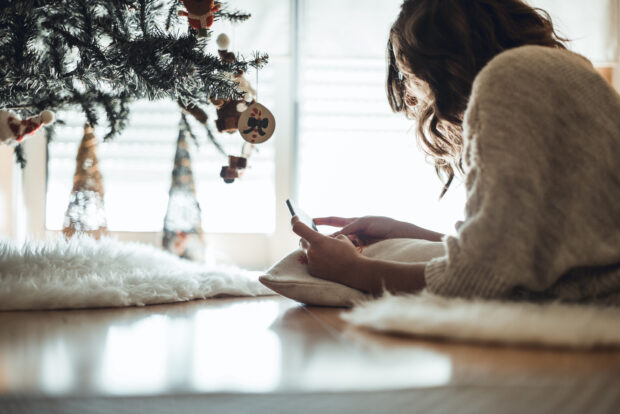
554	324
85	273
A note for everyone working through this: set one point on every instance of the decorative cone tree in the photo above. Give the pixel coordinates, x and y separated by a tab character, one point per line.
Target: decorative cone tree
182	225
102	54
86	213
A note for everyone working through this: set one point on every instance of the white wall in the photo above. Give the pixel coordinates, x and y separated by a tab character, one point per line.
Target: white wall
6	192
591	26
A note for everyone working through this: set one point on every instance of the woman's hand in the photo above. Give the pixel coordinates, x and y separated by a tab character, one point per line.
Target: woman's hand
331	258
338	260
374	228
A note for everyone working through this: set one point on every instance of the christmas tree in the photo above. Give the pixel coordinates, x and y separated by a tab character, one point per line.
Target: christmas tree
86	213
183	225
99	55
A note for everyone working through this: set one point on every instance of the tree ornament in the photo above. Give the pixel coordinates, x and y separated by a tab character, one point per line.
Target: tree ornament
223	42
229	174
234	169
229	110
86	213
13	129
200	14
183	224
236	165
237	162
256	124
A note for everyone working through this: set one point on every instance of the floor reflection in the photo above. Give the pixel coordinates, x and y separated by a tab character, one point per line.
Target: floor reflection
135	356
351	362
217	345
233	349
253	345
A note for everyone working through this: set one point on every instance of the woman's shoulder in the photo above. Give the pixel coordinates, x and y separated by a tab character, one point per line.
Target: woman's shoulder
532	67
539	56
537	75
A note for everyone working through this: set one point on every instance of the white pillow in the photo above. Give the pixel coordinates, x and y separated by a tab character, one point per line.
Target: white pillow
289	277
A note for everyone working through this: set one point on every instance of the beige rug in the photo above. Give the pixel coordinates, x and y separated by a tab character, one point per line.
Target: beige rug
552	324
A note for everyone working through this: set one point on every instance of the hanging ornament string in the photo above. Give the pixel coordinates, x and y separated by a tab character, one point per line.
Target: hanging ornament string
256	124
256	88
246	152
247	148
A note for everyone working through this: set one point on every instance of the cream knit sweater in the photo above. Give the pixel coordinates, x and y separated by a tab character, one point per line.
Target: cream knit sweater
542	155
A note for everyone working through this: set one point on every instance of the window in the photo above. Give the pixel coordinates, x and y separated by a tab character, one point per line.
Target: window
355	156
137	165
338	147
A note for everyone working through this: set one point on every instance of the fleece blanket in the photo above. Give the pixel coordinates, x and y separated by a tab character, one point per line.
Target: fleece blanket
500	322
83	273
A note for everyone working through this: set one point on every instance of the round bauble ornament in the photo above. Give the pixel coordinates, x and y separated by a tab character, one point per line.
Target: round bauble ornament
256	124
223	41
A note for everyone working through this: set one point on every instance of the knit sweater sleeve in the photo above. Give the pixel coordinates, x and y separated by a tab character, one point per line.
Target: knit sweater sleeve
505	240
472	266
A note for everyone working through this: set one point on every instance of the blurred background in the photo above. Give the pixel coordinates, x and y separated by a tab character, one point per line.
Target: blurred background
338	149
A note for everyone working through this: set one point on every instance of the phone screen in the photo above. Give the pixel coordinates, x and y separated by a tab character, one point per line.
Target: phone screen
303	217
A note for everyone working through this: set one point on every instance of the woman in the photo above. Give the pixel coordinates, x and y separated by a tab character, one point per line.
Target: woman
536	132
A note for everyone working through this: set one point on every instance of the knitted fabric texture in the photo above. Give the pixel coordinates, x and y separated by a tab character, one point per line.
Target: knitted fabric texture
542	133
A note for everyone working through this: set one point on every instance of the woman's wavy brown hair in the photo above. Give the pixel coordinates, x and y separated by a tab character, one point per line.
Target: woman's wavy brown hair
444	44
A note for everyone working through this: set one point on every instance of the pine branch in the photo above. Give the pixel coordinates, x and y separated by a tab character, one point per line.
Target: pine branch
173	8
50	131
20	158
25	6
234	16
188	129
203	118
100	55
214	141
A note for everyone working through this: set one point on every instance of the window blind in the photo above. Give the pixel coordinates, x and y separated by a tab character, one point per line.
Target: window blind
137	167
356	157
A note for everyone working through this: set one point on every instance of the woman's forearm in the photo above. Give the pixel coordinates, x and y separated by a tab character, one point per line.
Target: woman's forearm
411	231
375	276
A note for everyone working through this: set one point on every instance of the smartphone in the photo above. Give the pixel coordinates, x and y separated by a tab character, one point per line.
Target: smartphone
303	217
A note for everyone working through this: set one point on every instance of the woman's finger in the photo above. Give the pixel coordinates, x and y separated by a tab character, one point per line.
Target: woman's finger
306	232
303	244
343	237
357	226
333	221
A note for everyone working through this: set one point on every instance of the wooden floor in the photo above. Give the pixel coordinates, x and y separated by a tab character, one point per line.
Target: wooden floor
272	355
